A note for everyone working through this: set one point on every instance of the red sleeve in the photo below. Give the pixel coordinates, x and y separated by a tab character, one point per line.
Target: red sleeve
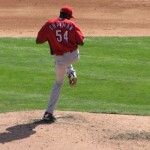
78	35
42	34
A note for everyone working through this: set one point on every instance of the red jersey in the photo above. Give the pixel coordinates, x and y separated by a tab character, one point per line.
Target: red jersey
62	34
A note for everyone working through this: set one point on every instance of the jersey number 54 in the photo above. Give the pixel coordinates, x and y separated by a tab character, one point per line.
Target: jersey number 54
60	37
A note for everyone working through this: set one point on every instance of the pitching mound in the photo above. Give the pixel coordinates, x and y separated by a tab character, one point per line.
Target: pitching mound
74	130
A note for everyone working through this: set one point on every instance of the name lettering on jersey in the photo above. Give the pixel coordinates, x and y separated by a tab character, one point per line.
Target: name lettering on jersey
61	25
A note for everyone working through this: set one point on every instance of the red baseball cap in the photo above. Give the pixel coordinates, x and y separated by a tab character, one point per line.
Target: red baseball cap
67	10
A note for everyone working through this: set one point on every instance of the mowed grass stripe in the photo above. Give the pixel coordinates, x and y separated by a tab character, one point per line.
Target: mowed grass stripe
113	76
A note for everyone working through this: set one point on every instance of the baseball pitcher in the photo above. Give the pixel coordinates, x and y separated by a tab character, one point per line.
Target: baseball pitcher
63	37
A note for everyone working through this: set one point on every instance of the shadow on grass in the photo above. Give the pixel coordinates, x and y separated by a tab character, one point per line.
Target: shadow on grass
21	131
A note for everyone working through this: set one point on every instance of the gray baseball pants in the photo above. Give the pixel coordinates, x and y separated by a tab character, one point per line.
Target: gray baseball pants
63	66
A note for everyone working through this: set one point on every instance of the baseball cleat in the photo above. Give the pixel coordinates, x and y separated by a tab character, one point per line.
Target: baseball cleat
48	117
72	79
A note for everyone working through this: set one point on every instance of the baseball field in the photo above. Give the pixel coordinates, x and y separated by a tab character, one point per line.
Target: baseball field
110	107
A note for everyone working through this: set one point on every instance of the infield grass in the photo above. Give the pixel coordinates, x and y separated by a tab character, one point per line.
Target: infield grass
113	76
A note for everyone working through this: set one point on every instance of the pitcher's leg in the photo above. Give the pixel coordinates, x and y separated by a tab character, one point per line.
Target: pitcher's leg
71	73
54	95
55	92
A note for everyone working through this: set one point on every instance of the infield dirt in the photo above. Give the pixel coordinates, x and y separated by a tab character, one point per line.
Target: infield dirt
75	130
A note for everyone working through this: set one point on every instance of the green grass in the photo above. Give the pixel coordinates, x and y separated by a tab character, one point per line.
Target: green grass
113	76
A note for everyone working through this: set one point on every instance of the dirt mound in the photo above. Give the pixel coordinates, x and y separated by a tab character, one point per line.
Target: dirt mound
74	130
